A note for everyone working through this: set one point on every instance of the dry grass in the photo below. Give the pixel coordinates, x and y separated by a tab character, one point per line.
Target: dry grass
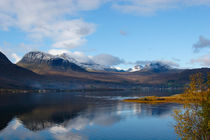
178	98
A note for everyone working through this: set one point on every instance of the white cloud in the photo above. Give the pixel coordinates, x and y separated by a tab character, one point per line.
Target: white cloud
147	7
78	56
12	51
203	60
81	57
107	60
142	62
201	44
57	19
57	51
102	59
16	57
169	63
165	62
49	19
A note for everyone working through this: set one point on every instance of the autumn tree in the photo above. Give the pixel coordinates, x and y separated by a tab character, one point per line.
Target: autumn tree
193	121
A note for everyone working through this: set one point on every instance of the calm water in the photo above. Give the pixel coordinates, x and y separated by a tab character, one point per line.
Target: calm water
81	116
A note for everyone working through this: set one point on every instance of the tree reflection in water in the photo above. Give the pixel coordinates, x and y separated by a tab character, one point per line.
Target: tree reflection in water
193	122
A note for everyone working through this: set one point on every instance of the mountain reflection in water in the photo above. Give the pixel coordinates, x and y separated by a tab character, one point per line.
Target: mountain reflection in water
83	116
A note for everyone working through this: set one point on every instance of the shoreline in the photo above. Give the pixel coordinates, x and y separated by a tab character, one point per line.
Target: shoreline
177	98
2	91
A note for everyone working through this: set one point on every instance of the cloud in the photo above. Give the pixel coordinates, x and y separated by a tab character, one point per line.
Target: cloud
102	59
58	20
81	57
15	129
78	56
123	33
203	60
201	44
107	60
45	19
142	62
165	62
57	51
169	63
148	7
16	57
12	51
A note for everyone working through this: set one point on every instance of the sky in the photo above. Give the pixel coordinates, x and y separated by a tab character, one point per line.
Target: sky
117	33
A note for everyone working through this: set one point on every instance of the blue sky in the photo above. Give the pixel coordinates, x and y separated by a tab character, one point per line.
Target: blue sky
171	31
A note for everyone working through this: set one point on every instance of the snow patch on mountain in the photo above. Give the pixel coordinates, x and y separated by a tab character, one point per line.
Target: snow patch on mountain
152	67
135	68
90	65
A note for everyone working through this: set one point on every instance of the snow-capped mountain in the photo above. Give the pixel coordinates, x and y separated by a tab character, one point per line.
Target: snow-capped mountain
156	67
135	68
151	67
66	61
43	62
37	58
88	65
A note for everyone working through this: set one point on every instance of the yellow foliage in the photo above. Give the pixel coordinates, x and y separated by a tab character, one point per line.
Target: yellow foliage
193	122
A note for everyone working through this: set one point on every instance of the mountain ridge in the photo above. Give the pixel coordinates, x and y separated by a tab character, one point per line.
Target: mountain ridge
41	62
15	77
12	75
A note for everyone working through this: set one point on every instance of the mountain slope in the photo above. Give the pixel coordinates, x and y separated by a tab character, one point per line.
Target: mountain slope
88	64
135	68
61	74
156	67
4	59
13	76
44	63
16	77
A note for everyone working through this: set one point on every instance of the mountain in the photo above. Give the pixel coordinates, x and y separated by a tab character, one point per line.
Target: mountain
88	65
13	76
156	67
135	68
4	60
41	62
58	72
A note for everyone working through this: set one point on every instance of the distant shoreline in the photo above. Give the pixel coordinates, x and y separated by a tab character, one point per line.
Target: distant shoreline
177	98
54	90
85	90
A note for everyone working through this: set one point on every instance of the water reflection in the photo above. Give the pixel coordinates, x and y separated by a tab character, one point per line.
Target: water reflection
79	116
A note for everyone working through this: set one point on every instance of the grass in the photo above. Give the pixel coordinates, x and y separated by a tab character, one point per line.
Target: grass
178	98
